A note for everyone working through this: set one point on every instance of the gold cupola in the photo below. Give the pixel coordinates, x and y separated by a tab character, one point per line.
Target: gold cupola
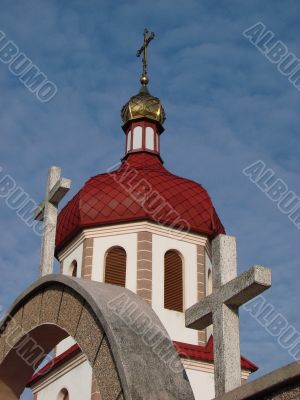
143	105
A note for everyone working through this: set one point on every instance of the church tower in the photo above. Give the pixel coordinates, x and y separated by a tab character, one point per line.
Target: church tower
144	228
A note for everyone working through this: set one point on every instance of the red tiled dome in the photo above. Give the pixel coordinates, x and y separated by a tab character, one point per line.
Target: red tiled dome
140	189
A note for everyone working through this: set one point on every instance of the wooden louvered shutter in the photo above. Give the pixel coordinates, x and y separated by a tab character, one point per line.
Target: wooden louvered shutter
115	266
173	281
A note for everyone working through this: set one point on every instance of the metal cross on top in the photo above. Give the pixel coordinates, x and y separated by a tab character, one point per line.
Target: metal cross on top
47	212
221	308
143	50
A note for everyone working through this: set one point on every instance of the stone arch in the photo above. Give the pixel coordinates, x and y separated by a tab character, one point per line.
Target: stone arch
130	352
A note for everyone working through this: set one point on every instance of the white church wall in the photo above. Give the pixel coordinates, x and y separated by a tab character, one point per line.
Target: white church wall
129	243
75	255
202	384
174	321
78	382
64	345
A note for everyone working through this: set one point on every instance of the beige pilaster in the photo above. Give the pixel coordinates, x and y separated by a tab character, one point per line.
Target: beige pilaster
87	258
144	266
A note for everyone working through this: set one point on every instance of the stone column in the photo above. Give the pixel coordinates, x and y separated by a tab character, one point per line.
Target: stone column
201	286
87	258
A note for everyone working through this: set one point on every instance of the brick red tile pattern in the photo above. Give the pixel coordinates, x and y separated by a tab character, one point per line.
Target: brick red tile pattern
140	189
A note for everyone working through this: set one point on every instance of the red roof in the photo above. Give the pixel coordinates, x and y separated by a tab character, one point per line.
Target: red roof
206	353
185	350
140	189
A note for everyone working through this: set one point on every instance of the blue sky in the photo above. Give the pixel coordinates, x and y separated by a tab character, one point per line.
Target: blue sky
227	106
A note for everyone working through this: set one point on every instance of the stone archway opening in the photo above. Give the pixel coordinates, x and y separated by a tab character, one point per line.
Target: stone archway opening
123	354
25	357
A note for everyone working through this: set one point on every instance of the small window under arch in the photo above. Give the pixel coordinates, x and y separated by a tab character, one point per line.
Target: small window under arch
173	282
115	266
63	395
73	269
209	282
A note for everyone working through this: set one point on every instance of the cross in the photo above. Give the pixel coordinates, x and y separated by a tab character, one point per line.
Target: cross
47	212
221	308
143	50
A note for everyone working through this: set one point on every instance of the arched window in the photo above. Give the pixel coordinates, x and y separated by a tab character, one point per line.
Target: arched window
63	395
73	269
115	266
209	282
129	141
173	281
137	137
149	138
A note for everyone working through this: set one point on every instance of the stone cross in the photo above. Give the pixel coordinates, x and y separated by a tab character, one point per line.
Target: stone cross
47	212
221	308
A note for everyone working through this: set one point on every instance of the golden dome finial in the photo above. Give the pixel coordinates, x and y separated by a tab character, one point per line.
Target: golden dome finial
143	50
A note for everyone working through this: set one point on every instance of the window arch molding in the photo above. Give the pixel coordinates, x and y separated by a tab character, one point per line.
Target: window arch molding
115	266
174	280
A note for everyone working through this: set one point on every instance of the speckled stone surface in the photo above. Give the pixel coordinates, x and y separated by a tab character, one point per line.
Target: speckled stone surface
70	311
14	330
89	334
106	374
281	384
31	313
291	392
51	304
56	189
2	347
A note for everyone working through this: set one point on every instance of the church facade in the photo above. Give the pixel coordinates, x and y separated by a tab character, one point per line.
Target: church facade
143	228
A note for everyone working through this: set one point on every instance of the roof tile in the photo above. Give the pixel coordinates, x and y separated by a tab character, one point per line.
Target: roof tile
141	188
